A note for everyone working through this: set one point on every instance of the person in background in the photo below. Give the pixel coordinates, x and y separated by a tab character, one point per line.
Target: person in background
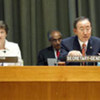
8	49
82	43
53	51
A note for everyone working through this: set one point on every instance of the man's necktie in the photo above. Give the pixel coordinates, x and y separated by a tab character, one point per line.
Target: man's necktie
57	53
83	51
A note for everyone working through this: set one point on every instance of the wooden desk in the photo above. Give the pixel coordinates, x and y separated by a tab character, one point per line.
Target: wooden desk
50	83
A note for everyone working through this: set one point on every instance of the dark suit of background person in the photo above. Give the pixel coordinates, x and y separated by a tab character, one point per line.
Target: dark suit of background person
82	29
54	37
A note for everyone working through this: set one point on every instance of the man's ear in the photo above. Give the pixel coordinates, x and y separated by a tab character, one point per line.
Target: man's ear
75	31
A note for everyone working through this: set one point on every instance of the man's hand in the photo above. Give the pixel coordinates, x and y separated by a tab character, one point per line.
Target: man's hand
99	54
74	53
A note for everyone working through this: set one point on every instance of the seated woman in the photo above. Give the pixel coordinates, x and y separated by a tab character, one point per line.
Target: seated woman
8	49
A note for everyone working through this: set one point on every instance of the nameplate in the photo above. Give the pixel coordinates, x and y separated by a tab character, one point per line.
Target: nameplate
83	58
8	59
2	58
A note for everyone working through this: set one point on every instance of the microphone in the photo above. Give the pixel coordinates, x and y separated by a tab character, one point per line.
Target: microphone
4	51
2	62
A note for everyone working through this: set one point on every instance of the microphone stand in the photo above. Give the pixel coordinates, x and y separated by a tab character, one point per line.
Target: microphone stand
4	54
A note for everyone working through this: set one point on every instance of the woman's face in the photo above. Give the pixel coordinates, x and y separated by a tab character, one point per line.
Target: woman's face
3	35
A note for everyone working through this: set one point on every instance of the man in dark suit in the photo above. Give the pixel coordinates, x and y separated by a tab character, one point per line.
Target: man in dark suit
73	46
54	37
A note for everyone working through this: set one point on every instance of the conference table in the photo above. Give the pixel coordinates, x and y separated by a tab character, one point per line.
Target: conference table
50	83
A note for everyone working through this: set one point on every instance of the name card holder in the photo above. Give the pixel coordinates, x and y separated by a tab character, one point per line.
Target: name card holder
10	59
83	58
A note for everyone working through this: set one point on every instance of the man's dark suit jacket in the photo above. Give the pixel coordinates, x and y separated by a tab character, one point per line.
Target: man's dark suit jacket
71	43
44	54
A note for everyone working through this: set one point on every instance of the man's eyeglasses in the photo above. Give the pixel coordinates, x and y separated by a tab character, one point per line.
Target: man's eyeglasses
86	29
55	40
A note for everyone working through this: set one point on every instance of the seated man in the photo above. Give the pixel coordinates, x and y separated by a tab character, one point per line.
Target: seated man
52	51
74	46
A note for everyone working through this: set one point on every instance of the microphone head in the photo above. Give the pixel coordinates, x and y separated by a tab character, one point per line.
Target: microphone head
4	51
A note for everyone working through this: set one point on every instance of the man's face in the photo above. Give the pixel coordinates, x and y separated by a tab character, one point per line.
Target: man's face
55	40
83	30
